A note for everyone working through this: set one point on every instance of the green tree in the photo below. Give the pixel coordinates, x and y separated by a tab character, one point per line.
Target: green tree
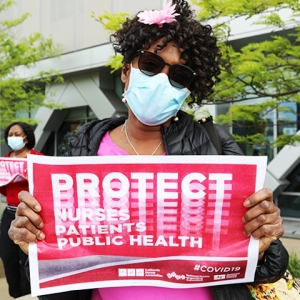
266	70
111	23
18	94
294	264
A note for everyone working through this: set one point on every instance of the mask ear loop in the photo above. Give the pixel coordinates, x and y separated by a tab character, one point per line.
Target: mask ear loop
123	99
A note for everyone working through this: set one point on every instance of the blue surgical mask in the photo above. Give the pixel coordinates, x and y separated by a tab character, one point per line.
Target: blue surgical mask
152	99
16	142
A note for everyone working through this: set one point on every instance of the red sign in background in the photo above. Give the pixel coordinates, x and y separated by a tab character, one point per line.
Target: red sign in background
12	170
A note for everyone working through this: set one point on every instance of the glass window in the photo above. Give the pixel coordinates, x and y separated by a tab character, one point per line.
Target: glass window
294	179
91	114
67	133
287	120
77	113
289	205
283	121
244	129
289	200
49	146
75	119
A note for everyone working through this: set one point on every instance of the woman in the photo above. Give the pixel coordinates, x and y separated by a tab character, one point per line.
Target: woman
168	55
20	138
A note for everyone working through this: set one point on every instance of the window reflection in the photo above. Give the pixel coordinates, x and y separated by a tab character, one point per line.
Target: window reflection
289	200
57	142
283	120
289	205
67	133
294	179
75	119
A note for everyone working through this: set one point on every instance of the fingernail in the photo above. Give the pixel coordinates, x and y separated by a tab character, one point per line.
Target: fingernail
37	208
41	225
247	203
41	236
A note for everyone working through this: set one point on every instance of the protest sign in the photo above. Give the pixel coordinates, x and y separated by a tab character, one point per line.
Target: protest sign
172	221
12	170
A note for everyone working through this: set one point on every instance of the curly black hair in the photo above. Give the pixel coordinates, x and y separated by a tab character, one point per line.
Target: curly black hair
27	130
199	46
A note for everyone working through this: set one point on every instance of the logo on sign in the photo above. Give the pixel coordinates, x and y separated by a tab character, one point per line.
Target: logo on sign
219	277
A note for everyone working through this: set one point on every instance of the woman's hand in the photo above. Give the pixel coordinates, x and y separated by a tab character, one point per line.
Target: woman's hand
25	228
263	220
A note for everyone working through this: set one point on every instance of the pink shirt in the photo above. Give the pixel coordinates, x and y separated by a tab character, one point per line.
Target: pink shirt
108	147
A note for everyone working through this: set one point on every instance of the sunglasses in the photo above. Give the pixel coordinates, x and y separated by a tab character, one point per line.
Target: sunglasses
180	76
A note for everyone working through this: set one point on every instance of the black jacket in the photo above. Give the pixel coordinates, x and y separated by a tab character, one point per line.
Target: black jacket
184	137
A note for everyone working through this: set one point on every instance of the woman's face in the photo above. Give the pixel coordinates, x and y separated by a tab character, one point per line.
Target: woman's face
17	131
170	54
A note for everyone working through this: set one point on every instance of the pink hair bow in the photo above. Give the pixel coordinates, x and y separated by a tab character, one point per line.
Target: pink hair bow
166	15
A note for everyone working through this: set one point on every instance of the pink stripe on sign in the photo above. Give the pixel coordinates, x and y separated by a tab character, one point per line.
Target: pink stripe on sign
227	186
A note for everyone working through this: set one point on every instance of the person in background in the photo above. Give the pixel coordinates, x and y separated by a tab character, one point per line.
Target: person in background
20	138
168	55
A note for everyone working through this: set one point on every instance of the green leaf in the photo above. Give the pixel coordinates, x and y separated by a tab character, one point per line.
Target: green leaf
17	94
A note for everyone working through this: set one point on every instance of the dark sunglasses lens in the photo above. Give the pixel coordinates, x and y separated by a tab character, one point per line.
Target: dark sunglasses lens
150	63
180	76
